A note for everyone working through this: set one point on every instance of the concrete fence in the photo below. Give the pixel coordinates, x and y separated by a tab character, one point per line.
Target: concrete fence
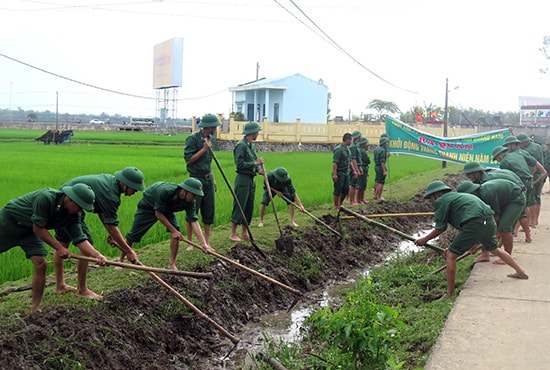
327	133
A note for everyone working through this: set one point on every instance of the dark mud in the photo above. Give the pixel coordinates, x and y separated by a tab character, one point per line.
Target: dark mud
148	328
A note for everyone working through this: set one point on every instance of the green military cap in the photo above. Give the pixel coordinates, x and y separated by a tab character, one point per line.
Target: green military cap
523	138
132	177
209	120
434	187
281	174
472	167
193	185
497	150
81	194
251	128
511	140
467	187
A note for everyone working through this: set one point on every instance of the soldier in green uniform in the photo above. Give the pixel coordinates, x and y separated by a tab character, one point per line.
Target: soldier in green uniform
507	200
474	220
25	222
280	184
380	156
198	158
107	189
480	175
364	169
341	157
160	202
248	165
539	177
513	145
354	166
546	163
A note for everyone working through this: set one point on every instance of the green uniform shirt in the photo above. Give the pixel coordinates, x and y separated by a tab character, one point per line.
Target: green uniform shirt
379	155
341	155
244	155
45	208
164	198
287	188
202	166
355	153
501	174
517	163
536	151
546	163
107	195
499	193
457	209
365	160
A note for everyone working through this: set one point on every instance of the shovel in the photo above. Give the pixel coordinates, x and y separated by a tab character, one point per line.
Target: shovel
402	234
237	202
312	216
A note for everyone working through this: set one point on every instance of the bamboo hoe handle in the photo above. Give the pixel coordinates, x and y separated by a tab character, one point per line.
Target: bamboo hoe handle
198	275
248	269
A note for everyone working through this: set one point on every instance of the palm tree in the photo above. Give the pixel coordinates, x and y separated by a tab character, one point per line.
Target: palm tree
383	107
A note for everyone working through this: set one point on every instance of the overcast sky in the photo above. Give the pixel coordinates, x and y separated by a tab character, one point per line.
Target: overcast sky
395	50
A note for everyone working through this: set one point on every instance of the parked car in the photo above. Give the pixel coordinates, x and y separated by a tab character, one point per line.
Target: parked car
96	122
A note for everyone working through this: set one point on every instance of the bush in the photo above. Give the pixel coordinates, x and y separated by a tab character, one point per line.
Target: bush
362	332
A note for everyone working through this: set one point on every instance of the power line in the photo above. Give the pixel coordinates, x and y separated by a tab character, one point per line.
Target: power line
337	46
102	88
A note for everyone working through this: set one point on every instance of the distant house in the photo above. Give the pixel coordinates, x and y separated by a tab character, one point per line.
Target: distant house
282	99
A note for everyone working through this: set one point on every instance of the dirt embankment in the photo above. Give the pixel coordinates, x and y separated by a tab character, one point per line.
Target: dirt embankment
147	328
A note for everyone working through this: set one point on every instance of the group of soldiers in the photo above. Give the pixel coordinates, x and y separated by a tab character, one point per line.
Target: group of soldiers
26	221
350	168
492	205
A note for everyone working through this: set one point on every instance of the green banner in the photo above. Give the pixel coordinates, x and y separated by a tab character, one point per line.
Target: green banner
405	139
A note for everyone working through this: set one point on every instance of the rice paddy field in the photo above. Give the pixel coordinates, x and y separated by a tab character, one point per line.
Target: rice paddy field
27	165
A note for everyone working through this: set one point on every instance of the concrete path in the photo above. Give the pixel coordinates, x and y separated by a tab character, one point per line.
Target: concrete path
498	322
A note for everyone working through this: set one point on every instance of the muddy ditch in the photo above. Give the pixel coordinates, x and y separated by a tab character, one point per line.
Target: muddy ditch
147	328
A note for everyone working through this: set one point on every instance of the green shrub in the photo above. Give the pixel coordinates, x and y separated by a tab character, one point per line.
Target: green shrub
362	333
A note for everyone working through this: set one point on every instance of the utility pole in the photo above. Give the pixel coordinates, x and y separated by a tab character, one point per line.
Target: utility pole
444	163
11	117
257	70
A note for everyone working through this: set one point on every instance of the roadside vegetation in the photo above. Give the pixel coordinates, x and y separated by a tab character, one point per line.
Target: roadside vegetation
391	319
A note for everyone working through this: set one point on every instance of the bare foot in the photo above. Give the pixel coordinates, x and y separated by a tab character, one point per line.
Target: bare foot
381	199
353	204
118	268
35	310
89	294
172	267
65	289
261	224
518	275
293	224
482	258
235	238
499	262
528	240
444	297
245	237
189	247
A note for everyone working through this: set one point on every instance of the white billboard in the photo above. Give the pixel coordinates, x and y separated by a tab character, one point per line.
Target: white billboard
168	64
